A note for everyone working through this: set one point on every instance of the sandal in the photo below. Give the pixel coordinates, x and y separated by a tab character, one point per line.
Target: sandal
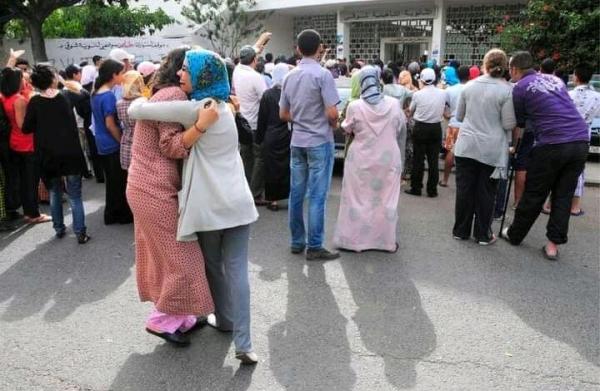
550	257
42	218
580	213
442	184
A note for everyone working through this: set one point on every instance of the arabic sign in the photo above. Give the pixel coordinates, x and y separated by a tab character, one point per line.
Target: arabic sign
365	15
62	52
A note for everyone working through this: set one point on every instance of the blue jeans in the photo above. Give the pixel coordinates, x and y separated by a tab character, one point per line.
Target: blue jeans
226	257
310	174
56	208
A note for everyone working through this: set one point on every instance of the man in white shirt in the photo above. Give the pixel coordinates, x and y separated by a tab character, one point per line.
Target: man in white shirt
269	65
427	108
587	102
249	86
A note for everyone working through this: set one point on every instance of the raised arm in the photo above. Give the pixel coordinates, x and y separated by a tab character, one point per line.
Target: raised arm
182	112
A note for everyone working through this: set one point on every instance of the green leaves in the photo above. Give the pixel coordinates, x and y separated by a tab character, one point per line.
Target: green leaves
95	20
226	24
566	30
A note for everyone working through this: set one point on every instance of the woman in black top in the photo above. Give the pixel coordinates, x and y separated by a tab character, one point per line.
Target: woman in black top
50	117
275	136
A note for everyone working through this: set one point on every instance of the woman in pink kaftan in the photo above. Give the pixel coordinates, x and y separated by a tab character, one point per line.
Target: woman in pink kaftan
372	170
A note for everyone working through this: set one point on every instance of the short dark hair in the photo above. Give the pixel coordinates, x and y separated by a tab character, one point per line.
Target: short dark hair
463	73
96	58
22	61
107	72
10	81
584	72
343	69
521	60
378	63
309	42
71	71
548	66
43	76
269	57
387	76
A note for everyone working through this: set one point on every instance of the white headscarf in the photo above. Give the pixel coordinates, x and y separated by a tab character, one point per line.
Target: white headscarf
279	73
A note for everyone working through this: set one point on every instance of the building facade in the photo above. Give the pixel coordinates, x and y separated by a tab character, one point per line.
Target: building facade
399	31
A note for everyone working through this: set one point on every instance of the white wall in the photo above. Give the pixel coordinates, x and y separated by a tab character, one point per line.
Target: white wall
282	42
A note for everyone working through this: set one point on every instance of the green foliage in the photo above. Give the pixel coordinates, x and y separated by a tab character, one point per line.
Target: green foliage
95	20
226	24
565	30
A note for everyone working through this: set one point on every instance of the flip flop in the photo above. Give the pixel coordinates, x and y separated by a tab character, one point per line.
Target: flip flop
546	211
548	256
580	213
442	184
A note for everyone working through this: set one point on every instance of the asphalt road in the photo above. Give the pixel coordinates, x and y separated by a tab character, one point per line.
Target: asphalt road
438	315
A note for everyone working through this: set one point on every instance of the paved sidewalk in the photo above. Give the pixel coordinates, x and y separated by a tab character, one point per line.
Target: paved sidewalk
440	314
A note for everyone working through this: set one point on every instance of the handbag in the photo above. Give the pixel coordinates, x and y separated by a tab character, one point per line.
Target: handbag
245	135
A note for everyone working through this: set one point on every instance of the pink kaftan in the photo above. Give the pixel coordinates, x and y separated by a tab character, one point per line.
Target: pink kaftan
371	186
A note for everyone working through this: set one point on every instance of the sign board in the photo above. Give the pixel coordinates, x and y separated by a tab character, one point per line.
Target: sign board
369	15
62	52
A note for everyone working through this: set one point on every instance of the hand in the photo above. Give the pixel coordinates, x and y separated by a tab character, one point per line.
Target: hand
207	115
265	38
16	53
235	102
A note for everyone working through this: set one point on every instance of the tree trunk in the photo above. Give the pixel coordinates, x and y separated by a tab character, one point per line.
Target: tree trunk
38	46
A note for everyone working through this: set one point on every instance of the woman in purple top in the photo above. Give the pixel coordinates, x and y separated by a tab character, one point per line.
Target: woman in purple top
558	157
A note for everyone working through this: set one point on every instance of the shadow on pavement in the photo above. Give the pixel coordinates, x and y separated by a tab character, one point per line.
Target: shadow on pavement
390	317
7	237
559	299
199	367
310	349
66	273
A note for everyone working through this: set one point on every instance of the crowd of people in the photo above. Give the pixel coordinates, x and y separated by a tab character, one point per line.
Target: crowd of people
190	147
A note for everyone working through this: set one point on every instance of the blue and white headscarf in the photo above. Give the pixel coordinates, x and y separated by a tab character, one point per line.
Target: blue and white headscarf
450	76
370	88
209	75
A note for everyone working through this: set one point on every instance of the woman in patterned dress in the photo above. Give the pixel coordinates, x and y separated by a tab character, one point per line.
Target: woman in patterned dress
371	186
170	274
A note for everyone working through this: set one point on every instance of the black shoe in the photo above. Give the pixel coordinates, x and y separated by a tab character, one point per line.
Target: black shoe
432	195
7	226
321	254
83	238
61	234
99	180
297	250
177	338
87	175
413	192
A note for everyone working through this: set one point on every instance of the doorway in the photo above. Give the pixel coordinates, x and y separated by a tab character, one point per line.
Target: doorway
402	50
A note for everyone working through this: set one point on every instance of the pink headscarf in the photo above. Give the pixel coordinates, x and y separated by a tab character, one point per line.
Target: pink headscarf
474	72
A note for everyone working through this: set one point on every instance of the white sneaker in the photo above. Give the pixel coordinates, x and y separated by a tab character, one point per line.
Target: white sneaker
504	233
247	358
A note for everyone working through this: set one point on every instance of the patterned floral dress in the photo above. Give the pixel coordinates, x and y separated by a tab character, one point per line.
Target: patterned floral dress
368	212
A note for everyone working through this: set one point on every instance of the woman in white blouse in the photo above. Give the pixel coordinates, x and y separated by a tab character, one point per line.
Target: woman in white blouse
216	206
